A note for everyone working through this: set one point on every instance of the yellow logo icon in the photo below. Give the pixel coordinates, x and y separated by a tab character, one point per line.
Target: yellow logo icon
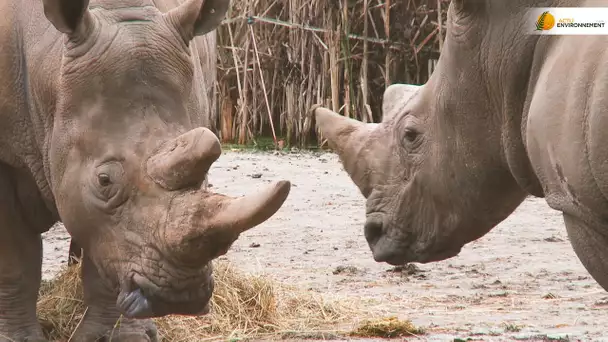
545	21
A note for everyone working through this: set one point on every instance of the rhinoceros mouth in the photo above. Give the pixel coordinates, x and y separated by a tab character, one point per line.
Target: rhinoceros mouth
412	256
134	304
395	245
141	302
438	255
398	252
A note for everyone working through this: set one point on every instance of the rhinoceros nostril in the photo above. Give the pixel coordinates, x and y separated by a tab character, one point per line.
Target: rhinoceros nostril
373	230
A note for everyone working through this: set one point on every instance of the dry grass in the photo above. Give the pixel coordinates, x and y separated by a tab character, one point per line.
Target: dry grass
60	304
388	327
242	306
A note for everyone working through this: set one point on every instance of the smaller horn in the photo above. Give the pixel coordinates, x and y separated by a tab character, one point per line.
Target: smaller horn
350	139
185	160
395	97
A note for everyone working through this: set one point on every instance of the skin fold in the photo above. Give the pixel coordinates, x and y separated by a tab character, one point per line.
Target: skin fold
107	110
505	115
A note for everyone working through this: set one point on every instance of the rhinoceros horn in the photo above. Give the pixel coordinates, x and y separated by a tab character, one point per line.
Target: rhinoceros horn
202	225
184	161
236	215
351	140
202	228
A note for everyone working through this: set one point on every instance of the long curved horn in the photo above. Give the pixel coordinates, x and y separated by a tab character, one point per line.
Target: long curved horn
350	139
240	214
205	229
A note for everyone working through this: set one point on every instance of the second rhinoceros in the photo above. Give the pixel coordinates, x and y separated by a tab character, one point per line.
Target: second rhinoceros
509	112
102	110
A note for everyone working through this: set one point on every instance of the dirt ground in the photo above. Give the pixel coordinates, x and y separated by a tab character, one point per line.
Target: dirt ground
522	281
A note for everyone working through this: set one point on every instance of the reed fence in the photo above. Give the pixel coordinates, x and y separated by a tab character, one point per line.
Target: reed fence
276	58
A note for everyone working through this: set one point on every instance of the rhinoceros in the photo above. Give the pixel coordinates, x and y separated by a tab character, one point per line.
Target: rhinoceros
104	108
505	115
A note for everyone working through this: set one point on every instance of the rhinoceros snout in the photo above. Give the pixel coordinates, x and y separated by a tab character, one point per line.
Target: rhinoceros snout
136	305
146	300
373	230
383	248
398	249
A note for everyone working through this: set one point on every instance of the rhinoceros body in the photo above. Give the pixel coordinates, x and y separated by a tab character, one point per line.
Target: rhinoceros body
505	115
103	108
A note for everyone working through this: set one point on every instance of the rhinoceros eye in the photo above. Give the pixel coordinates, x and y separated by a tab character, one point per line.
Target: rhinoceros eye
411	140
411	135
104	179
107	183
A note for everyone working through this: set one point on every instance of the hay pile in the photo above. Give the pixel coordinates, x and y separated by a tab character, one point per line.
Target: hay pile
388	327
242	306
60	304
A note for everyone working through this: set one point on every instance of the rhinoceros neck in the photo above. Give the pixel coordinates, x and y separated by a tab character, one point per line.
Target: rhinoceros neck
511	76
523	66
512	83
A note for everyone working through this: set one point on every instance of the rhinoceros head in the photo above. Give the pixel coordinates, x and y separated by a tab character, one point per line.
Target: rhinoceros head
128	158
434	170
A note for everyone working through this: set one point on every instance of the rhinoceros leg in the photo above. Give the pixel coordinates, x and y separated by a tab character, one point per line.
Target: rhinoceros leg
20	268
102	317
591	246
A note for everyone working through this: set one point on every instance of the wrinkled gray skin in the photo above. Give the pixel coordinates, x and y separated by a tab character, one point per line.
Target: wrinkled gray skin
505	115
102	112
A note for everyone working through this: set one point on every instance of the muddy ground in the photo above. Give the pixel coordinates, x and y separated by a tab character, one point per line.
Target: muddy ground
522	281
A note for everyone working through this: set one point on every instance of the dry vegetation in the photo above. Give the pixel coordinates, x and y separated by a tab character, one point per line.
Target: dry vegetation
277	58
242	306
388	328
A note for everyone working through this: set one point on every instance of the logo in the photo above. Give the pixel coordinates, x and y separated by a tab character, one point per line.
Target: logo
545	21
567	21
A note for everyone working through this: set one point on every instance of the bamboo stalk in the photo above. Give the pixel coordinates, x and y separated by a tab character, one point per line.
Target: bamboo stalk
439	25
244	113
342	54
274	136
346	52
387	32
365	62
231	128
335	92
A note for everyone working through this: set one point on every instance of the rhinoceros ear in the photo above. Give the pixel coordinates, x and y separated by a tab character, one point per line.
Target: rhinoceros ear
67	16
198	17
395	97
